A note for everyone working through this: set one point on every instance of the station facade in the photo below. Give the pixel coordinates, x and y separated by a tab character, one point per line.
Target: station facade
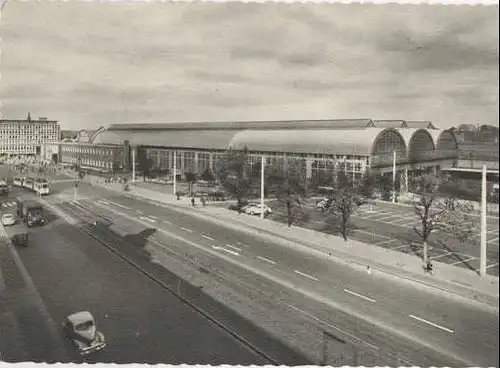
359	144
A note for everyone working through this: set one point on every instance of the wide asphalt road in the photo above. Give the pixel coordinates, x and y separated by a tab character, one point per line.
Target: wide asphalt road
141	321
426	325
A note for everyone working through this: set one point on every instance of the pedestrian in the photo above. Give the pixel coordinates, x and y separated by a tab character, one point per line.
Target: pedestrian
192	201
203	201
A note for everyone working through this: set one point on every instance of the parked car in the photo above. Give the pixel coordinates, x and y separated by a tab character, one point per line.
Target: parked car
8	219
257	209
80	328
323	204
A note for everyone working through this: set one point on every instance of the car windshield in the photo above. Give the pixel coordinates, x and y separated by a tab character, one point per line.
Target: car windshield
7	216
84	326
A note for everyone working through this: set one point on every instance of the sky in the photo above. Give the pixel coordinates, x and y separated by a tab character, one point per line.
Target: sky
88	64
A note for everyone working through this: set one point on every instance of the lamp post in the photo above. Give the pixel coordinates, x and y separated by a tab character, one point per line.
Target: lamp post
482	261
175	174
394	176
262	187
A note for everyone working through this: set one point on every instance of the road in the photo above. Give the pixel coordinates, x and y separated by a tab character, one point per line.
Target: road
425	328
142	322
408	315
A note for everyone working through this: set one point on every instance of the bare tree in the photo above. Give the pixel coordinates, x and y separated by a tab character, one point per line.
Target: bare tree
438	213
235	173
288	183
348	195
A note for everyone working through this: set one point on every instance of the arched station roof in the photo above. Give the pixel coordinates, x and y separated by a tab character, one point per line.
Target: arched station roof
445	142
202	139
332	142
419	142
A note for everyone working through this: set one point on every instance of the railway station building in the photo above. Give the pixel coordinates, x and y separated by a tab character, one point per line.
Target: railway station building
360	144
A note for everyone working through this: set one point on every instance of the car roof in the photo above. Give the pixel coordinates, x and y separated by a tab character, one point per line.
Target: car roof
80	317
7	215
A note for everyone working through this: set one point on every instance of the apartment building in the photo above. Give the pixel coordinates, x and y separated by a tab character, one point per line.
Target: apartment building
26	137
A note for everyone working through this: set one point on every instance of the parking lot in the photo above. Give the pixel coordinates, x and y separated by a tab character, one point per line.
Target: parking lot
392	228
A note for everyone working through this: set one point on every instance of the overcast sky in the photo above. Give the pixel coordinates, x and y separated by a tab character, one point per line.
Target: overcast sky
93	64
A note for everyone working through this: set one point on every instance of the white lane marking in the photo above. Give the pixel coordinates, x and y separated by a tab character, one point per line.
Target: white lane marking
185	229
119	205
139	212
359	295
442	255
266	260
147	219
492	265
470	258
207	237
230	246
305	275
386	242
104	202
153	217
225	250
431	323
167	222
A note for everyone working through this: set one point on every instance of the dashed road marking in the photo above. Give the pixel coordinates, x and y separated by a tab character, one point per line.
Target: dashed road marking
139	212
186	229
359	295
431	323
266	260
103	202
207	237
243	244
153	217
225	250
233	247
119	205
167	222
305	275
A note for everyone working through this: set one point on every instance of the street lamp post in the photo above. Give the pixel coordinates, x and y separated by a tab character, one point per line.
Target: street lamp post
175	174
394	176
262	187
482	261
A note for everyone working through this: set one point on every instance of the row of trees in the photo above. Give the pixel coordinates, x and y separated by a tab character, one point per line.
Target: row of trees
289	185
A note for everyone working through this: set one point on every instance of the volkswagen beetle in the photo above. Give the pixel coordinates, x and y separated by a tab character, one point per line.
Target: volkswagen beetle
80	329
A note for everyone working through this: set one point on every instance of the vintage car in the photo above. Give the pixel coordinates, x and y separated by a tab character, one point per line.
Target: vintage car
80	329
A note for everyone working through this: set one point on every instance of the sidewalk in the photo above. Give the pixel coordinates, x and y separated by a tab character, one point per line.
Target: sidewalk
384	262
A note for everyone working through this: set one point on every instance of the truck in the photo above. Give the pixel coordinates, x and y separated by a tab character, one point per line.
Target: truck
32	213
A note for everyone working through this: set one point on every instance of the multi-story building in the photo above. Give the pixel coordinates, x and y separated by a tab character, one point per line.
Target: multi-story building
26	137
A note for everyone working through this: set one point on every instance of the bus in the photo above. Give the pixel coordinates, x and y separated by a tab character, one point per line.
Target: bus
28	183
41	187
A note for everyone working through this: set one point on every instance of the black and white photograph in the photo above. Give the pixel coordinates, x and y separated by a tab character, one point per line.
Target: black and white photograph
249	183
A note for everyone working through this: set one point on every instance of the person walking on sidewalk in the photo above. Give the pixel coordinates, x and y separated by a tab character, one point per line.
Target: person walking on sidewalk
203	201
192	201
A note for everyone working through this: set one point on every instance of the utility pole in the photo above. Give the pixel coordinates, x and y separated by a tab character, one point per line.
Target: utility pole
175	174
262	186
133	164
394	176
482	261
